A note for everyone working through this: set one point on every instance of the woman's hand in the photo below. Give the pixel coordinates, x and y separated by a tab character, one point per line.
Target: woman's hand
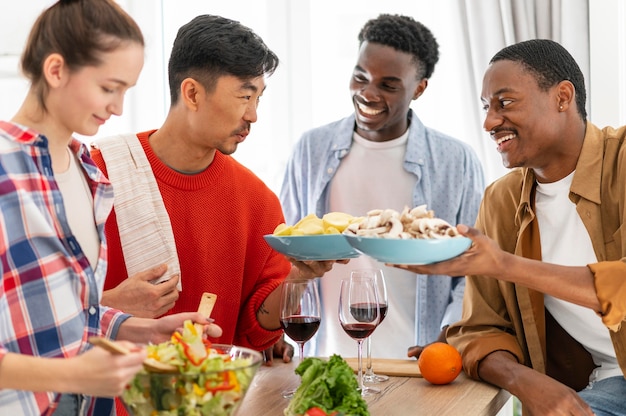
98	372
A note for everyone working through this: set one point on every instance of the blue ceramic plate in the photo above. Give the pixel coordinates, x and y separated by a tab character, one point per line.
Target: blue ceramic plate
411	251
313	247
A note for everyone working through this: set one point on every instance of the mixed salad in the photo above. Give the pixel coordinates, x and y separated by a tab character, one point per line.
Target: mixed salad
327	388
208	382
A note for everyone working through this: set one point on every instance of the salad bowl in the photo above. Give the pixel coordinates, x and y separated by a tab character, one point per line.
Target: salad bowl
215	387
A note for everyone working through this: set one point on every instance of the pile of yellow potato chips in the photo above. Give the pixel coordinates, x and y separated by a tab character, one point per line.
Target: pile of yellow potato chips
331	223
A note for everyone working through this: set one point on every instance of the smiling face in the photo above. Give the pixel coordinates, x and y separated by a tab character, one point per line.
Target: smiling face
383	84
85	99
528	124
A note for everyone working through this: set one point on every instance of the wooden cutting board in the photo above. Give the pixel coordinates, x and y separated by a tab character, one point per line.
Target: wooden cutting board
390	367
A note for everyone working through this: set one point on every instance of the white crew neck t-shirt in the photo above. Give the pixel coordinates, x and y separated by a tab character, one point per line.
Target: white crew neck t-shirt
565	241
370	176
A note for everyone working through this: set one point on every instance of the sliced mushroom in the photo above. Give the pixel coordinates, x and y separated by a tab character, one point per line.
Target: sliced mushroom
396	228
418	223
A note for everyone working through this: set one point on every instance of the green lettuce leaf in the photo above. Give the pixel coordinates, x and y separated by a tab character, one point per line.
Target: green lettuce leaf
329	385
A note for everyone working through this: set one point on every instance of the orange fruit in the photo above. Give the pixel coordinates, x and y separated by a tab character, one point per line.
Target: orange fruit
440	363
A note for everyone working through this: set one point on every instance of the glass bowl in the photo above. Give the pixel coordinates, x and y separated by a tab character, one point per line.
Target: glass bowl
214	393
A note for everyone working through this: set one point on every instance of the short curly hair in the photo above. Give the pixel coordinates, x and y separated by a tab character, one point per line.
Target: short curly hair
404	34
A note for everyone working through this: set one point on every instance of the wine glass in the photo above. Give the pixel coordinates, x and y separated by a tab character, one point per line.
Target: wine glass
359	313
299	314
370	376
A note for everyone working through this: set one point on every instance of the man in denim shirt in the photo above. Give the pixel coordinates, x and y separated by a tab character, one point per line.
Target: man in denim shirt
382	156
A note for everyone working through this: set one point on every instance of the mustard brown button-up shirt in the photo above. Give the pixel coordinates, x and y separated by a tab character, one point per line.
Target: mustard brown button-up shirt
498	315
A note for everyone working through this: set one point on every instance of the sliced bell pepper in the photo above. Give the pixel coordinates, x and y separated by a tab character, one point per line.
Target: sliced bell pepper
193	353
229	382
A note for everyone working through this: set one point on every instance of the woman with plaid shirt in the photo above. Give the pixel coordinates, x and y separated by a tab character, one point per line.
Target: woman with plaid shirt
81	58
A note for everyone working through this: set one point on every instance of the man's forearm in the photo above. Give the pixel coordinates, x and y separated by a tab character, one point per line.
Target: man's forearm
501	369
572	284
268	314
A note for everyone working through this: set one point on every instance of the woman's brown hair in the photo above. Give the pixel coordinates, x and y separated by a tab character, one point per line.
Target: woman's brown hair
80	31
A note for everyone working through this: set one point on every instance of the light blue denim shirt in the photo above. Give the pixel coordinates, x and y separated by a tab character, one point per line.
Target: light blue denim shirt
450	181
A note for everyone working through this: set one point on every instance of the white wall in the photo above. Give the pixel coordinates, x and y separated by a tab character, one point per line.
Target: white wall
13	34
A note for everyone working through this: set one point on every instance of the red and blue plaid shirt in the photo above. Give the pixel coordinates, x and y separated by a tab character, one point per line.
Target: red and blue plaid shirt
49	294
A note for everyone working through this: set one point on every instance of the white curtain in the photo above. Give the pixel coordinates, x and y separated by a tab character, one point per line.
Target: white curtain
490	25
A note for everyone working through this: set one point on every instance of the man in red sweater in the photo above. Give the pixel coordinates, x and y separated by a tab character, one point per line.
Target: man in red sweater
218	209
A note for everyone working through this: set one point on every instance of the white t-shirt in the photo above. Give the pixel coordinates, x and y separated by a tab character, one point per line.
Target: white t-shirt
78	203
371	176
565	241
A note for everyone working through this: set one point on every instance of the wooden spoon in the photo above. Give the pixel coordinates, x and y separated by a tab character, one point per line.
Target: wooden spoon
205	308
150	364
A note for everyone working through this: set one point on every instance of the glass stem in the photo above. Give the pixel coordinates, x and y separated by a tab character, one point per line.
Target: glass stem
360	364
289	393
301	350
369	371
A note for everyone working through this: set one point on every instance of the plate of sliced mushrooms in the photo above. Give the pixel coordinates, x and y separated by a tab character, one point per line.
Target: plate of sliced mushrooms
413	236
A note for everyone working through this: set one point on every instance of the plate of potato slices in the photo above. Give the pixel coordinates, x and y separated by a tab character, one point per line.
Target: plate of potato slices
413	236
314	238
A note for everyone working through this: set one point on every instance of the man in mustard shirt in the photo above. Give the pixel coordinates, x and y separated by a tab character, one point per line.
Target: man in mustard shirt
546	274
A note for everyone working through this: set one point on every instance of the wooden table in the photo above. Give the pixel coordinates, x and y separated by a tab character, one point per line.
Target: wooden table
400	396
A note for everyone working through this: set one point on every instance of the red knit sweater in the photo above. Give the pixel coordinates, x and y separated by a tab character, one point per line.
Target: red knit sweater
218	218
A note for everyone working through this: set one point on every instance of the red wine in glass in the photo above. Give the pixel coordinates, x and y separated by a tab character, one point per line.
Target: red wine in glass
362	311
299	314
300	328
359	314
381	287
383	311
359	331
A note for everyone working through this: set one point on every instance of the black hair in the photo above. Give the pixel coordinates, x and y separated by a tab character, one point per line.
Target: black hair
404	34
212	46
550	63
78	30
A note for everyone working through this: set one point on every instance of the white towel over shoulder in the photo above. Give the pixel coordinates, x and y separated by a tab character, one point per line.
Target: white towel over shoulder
143	223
